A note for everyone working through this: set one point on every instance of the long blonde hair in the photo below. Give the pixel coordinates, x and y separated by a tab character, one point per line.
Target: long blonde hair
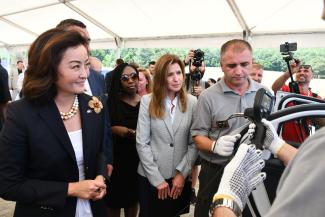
159	92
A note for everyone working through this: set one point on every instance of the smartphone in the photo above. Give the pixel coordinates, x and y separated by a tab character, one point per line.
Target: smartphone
287	47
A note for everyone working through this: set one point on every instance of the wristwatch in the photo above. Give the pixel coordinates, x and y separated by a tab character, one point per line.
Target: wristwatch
225	202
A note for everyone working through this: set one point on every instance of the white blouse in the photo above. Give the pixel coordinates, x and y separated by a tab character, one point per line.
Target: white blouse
83	208
170	106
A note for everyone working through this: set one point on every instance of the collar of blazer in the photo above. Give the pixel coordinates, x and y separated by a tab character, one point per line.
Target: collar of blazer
173	126
51	116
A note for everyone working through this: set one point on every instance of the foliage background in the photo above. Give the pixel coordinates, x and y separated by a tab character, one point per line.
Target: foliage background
271	59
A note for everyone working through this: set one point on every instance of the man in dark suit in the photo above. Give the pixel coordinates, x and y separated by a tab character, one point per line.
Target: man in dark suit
96	83
4	92
95	86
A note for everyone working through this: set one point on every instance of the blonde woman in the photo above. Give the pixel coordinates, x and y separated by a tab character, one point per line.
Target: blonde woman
145	83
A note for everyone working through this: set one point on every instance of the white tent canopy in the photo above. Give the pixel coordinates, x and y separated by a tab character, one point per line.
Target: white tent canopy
167	23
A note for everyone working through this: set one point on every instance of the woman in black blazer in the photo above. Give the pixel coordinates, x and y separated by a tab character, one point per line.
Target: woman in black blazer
51	154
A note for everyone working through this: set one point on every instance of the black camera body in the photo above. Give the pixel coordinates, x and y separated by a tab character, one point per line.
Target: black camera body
196	75
263	106
286	50
198	58
288	47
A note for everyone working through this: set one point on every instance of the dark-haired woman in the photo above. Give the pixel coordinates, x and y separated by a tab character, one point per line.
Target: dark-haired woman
123	102
51	157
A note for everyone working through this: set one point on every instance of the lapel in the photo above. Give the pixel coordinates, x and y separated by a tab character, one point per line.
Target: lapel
87	125
178	117
168	123
51	116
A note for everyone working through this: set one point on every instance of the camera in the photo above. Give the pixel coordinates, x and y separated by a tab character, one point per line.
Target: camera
198	58
263	105
288	47
286	50
196	75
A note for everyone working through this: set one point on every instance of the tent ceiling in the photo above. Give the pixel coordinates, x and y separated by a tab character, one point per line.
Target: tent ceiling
167	23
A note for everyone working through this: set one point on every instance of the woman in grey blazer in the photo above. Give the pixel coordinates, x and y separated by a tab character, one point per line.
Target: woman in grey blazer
163	141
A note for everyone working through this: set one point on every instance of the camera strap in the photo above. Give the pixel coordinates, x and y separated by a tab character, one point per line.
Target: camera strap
187	81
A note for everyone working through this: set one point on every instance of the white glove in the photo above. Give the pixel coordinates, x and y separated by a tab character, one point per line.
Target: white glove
272	141
224	146
241	175
251	130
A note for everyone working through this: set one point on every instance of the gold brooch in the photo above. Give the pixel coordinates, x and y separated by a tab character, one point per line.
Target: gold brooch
95	104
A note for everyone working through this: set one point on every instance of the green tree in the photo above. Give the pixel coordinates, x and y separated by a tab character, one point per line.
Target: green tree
270	58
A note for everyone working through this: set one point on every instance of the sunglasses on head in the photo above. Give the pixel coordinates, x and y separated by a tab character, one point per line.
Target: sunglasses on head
305	67
132	75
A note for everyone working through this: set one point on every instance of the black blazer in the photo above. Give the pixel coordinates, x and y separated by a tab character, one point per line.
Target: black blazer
37	160
97	86
4	88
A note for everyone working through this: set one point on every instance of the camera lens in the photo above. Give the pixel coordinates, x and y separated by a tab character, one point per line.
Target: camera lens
198	57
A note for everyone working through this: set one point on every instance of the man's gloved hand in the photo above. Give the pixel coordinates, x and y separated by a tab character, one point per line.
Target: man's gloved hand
272	141
241	175
224	146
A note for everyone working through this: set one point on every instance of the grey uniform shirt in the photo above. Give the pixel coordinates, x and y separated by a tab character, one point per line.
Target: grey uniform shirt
216	104
301	191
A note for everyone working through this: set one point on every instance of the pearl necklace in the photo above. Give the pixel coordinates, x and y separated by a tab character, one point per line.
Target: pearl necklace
74	109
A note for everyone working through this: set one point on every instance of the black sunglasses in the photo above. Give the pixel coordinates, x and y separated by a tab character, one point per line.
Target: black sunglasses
305	66
132	75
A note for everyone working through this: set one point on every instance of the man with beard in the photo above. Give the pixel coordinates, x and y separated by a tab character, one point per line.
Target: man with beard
296	131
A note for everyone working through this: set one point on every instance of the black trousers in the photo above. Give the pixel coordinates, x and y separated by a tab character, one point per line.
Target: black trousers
209	178
151	206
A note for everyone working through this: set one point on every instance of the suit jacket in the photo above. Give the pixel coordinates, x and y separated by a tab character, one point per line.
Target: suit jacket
37	160
4	88
108	80
97	86
96	83
163	146
4	93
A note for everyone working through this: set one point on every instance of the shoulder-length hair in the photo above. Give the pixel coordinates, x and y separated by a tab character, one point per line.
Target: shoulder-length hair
146	74
44	57
159	92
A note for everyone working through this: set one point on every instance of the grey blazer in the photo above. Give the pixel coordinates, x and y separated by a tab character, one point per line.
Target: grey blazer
163	146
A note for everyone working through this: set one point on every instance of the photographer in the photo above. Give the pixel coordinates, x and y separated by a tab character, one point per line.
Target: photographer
195	86
295	131
303	75
194	83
